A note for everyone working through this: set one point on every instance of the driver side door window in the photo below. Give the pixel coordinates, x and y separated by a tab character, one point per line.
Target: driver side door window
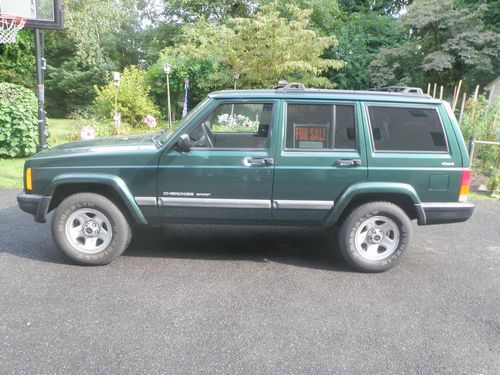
234	126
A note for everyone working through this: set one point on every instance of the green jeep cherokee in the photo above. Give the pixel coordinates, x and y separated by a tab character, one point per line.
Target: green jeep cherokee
366	163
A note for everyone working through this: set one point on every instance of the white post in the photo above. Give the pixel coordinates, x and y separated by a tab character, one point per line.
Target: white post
168	98
167	68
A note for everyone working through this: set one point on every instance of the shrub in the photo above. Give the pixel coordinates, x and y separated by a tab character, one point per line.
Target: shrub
18	121
134	103
479	122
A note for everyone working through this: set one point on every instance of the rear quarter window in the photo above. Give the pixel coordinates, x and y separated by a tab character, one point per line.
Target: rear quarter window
409	129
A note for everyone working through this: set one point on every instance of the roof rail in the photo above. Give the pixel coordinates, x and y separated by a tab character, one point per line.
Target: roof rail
285	85
400	89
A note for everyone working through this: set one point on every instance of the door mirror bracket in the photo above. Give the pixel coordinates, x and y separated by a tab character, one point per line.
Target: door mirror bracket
184	143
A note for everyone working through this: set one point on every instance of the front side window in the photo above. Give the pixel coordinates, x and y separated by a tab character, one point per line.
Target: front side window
406	129
234	126
320	127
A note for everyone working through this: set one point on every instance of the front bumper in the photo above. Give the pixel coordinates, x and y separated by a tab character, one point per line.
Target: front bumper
37	205
444	212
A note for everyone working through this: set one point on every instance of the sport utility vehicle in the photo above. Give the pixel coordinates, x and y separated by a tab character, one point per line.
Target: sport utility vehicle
366	163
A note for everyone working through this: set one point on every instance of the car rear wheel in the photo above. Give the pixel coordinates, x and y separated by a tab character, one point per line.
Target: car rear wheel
374	236
90	229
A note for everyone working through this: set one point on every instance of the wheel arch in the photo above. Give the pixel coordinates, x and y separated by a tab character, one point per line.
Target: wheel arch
403	195
112	187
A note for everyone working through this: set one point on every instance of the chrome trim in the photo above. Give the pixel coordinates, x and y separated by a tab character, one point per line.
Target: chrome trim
145	201
303	204
215	202
446	205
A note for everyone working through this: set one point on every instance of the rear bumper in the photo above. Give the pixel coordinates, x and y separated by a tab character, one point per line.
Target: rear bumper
444	212
37	205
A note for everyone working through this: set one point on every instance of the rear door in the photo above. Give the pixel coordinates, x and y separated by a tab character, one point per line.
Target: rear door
410	143
319	156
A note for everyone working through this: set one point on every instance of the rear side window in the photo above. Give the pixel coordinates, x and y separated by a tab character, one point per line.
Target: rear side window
320	127
406	129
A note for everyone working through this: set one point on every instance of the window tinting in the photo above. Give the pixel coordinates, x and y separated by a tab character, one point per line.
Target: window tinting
406	129
320	127
345	131
238	125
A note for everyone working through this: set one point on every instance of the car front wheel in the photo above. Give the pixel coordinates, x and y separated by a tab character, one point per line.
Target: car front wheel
374	236
90	229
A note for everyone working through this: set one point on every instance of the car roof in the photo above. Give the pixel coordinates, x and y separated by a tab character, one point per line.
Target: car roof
322	94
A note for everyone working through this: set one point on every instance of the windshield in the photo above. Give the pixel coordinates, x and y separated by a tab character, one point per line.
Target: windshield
166	133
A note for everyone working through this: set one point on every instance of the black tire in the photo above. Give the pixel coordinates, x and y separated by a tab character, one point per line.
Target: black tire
361	216
119	239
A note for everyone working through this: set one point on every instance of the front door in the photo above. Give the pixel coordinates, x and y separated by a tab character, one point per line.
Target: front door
228	174
318	158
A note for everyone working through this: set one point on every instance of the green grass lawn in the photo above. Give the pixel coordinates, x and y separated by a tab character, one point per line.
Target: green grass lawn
11	170
11	175
62	130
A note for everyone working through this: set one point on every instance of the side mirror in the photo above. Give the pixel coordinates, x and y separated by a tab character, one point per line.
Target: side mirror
184	143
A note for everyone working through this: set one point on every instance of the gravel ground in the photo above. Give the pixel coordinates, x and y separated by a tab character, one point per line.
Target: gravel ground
245	300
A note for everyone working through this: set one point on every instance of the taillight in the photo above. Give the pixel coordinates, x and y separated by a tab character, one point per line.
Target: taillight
464	185
28	179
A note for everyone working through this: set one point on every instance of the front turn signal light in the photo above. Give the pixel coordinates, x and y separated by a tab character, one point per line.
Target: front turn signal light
29	179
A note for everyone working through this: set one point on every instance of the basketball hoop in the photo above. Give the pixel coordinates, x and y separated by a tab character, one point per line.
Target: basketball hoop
9	27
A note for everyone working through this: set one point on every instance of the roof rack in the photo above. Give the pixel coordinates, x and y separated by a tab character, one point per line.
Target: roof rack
400	89
285	85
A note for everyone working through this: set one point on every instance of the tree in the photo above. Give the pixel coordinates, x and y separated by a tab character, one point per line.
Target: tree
17	61
99	29
361	36
324	16
214	10
197	56
381	7
133	103
269	47
447	43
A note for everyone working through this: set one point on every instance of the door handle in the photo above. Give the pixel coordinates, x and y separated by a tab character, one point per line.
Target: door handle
249	161
348	162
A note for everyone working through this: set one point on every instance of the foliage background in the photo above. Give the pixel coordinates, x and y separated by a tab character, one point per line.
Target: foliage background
348	44
18	121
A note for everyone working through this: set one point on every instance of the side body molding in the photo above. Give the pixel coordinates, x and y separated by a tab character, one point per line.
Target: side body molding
372	188
115	182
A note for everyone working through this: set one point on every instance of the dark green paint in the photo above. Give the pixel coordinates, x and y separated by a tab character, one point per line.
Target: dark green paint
137	166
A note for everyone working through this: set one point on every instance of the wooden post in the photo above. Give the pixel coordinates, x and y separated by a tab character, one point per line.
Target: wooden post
428	89
472	148
476	92
457	95
454	93
441	92
434	91
462	108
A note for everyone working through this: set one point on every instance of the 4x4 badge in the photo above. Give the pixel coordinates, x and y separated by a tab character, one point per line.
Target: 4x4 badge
448	164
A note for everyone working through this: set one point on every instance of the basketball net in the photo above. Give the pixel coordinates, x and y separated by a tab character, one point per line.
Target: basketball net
9	27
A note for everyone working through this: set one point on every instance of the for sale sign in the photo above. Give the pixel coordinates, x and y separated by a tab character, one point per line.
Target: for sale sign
313	136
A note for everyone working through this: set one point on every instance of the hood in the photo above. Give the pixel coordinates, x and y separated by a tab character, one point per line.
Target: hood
116	144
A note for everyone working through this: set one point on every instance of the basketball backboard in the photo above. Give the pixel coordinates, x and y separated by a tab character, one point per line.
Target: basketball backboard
39	14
